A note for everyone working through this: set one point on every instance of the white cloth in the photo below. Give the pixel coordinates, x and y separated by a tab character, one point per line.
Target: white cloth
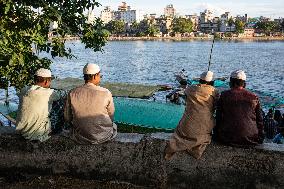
239	74
91	69
34	108
207	76
43	72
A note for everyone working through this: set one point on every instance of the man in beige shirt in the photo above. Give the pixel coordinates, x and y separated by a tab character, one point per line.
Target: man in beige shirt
90	109
35	104
193	132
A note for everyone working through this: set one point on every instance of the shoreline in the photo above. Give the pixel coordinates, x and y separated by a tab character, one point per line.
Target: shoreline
195	39
186	38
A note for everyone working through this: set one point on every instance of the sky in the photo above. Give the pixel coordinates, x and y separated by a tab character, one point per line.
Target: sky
254	8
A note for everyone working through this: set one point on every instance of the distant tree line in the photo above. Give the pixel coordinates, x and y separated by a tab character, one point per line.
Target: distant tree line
152	28
148	27
269	27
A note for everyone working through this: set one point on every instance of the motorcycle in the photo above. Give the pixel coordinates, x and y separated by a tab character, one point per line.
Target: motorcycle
177	95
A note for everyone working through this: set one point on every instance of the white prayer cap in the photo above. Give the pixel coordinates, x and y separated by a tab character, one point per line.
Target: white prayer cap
91	69
239	74
207	76
43	72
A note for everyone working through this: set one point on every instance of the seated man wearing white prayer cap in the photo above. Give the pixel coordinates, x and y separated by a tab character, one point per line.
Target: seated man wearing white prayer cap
193	132
90	109
34	107
239	116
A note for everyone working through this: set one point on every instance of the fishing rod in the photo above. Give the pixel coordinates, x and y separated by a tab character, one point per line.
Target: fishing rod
210	57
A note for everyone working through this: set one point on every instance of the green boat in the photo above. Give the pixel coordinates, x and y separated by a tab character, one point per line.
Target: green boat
136	111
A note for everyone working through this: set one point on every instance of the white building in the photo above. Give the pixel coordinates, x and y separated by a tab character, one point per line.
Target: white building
91	17
206	16
107	15
207	22
127	15
53	26
225	17
131	16
170	11
224	23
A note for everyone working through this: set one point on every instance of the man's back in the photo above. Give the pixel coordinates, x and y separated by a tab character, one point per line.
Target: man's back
32	119
239	119
198	117
91	108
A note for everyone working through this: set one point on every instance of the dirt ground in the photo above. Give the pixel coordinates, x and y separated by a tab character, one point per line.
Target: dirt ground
64	182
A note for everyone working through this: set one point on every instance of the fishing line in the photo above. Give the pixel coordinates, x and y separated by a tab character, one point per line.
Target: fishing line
210	57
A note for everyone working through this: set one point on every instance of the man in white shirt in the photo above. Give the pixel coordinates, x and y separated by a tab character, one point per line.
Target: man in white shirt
90	109
35	104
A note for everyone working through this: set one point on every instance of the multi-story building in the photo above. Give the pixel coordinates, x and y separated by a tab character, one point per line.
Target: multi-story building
164	23
127	15
207	22
210	26
130	16
170	11
225	17
91	17
123	7
107	14
225	24
244	18
206	16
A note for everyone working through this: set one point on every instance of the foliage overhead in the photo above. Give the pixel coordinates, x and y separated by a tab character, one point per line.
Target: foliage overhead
24	29
182	25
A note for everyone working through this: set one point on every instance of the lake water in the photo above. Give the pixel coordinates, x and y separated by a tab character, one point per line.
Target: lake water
156	62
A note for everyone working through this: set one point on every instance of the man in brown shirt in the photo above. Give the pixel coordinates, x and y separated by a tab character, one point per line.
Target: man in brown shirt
90	110
239	118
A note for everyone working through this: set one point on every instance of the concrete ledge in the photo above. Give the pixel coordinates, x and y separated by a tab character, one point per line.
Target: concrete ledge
138	159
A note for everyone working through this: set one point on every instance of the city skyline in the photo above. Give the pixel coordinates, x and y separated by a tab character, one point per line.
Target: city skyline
254	8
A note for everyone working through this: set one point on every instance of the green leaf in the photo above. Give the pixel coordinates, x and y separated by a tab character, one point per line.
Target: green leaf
23	27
